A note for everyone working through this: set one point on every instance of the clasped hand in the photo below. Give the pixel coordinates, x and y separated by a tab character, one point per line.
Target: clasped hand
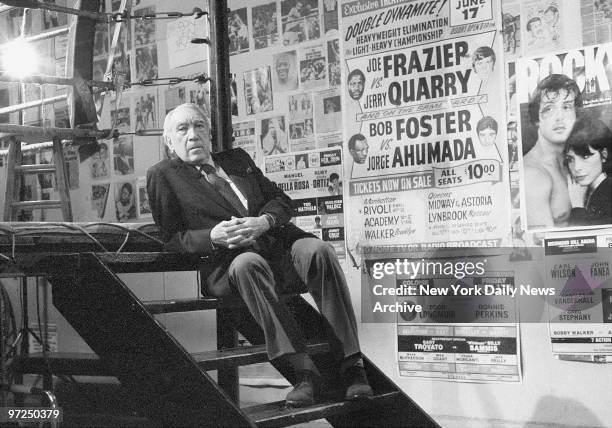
239	232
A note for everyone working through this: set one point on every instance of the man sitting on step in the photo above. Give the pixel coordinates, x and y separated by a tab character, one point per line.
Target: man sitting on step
222	206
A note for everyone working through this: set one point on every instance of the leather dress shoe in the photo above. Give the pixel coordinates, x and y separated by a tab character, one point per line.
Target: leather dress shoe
357	386
306	391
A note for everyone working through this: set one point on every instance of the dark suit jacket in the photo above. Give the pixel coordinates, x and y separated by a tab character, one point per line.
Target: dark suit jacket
186	207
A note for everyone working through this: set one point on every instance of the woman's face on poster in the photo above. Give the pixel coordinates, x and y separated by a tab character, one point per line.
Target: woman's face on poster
585	169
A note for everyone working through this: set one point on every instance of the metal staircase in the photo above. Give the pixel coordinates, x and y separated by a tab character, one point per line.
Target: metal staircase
163	383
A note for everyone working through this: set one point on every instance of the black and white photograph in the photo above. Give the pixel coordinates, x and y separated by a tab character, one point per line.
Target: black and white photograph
201	97
333	62
300	21
285	71
265	25
512	29
144	209
330	16
99	198
120	118
300	106
258	90
234	95
313	67
238	31
146	63
123	155
175	96
145	111
144	28
99	162
274	136
122	67
125	201
566	139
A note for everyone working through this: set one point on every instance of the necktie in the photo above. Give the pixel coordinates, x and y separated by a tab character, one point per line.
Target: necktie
223	187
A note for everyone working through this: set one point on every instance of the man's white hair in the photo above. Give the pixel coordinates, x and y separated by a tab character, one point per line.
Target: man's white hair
168	122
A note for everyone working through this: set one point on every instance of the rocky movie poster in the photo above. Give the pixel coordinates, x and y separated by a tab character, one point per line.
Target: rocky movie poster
425	155
565	103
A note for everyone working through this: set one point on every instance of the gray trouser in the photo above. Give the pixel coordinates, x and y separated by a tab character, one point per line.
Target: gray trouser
311	266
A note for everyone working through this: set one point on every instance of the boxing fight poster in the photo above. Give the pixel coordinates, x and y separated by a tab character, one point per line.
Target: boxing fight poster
457	317
245	138
425	157
565	117
314	182
580	311
463	352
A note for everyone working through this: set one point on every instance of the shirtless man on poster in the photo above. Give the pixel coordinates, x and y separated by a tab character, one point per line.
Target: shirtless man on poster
553	109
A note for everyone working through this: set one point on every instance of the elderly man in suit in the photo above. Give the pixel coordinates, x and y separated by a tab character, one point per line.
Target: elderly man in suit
221	205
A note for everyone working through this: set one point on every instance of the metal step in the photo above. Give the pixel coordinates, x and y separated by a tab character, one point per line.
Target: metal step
88	364
277	414
156	307
187	305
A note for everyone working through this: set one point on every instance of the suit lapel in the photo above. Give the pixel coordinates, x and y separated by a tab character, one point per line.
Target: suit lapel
193	175
243	185
231	166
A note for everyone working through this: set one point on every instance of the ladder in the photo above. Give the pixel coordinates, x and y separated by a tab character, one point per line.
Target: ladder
15	180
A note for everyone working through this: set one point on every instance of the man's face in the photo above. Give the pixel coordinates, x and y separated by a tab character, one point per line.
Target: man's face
536	28
557	116
360	152
189	136
487	136
355	87
585	169
483	67
125	195
282	69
